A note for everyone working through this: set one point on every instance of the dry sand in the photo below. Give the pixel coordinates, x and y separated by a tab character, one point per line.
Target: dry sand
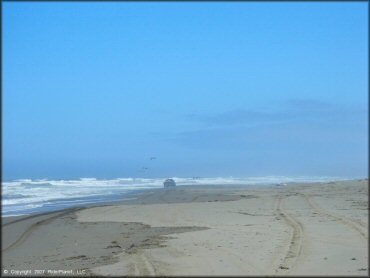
298	229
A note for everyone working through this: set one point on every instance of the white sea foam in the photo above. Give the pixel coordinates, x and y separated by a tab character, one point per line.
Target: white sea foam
24	195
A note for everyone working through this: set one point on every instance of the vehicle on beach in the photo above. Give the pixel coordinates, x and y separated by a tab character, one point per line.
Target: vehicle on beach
169	183
281	184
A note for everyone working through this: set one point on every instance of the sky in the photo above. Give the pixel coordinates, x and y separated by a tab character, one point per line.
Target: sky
210	89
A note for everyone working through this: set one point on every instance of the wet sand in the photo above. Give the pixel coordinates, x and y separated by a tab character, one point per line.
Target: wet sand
297	229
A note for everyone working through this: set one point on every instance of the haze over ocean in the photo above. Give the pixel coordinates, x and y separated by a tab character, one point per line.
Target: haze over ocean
208	89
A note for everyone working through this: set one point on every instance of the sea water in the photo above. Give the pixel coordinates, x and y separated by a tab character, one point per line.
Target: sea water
25	196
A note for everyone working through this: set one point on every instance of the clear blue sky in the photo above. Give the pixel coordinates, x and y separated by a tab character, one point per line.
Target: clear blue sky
210	89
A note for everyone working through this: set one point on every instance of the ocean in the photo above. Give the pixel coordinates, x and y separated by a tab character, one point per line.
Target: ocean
26	196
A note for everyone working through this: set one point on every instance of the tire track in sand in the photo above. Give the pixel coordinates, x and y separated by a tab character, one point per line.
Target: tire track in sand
34	226
295	243
353	224
141	266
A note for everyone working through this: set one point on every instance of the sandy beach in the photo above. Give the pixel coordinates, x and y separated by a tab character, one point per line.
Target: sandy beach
293	229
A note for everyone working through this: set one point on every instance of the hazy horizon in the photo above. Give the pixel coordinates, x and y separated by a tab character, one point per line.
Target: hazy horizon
110	90
270	179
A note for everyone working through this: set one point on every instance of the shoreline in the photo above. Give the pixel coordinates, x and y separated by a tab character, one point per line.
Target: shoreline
138	192
43	210
15	189
233	230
